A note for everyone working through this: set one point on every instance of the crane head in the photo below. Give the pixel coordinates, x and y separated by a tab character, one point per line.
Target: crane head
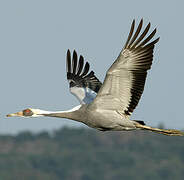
26	113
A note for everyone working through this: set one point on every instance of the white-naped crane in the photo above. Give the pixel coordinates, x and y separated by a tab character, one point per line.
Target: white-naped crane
108	106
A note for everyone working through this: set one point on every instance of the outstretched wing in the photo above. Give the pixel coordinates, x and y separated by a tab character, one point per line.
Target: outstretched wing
83	84
125	79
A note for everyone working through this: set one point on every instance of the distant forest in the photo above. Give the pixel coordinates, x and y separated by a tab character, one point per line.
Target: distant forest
86	154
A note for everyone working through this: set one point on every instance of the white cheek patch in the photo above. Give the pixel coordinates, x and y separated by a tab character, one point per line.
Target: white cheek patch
38	112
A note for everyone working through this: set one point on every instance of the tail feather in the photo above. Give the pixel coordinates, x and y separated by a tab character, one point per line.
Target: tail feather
140	122
168	132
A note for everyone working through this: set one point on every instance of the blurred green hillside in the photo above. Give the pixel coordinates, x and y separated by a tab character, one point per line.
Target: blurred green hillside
85	154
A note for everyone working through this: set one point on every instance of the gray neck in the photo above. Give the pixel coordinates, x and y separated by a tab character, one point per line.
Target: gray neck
74	114
60	114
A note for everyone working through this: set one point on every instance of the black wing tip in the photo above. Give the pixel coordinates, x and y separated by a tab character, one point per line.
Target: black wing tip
81	57
156	40
152	43
79	60
80	73
136	39
87	63
74	52
68	54
141	21
133	22
154	31
73	64
68	61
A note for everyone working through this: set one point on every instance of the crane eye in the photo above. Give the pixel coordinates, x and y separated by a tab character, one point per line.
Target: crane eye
27	112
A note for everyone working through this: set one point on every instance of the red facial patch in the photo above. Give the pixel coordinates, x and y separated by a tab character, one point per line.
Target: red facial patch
27	112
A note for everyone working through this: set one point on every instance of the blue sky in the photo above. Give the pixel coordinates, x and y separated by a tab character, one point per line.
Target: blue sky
34	38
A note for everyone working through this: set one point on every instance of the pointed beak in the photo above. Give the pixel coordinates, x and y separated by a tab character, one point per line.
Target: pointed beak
18	114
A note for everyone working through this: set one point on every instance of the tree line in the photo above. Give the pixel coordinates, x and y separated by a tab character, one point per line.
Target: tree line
86	154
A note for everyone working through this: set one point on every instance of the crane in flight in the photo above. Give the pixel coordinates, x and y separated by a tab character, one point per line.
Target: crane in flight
108	106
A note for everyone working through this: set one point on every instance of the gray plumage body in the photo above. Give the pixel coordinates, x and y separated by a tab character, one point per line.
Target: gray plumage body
100	119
